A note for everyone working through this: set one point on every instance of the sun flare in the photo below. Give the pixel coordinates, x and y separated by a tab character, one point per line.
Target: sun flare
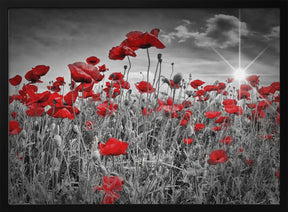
240	74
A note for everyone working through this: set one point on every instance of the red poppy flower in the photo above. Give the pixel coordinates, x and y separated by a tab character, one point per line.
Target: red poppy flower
120	52
14	114
269	136
85	86
103	68
199	126
266	91
243	94
221	119
253	80
14	127
64	111
15	80
221	86
245	87
217	156
167	107
276	86
41	98
35	74
106	108
227	140
173	85
54	88
229	80
277	173
209	88
113	147
186	117
124	84
93	60
188	140
144	111
186	104
136	39
142	87
233	109
212	114
110	185
249	162
83	72
278	118
229	102
35	110
217	128
241	150
196	83
251	106
116	76
200	93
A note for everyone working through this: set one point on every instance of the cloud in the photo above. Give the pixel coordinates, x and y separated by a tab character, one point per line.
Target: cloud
274	33
221	31
180	33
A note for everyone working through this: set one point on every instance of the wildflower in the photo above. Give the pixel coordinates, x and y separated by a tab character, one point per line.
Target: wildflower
113	147
209	88
83	72
249	162
253	80
93	60
188	140
35	110
116	76
251	105
15	80
276	86
14	127
233	109
14	114
174	85
145	113
217	156
229	80
186	117
142	87
227	140
106	108
199	126
269	136
196	83
229	102
35	74
212	114
137	39
277	173
217	128
221	119
120	52
109	187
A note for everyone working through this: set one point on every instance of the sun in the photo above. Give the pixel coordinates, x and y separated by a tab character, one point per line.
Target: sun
239	74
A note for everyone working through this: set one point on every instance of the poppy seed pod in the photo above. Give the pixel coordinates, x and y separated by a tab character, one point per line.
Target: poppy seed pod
159	56
57	140
125	67
177	78
95	156
75	129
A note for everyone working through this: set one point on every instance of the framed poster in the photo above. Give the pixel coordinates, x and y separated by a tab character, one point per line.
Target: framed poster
142	104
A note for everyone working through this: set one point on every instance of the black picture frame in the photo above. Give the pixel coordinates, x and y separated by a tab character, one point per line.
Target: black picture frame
6	5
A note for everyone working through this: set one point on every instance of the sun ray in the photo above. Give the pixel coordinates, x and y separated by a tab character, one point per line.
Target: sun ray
223	58
239	46
260	53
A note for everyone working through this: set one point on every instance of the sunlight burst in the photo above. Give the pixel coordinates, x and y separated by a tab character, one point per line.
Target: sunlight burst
239	74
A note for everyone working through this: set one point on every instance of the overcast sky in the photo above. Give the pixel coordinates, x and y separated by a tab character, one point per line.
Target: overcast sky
58	37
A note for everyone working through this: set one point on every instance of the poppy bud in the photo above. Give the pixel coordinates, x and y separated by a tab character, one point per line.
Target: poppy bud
103	169
125	67
172	64
36	126
75	129
95	156
52	127
57	140
23	134
159	56
177	78
126	102
190	131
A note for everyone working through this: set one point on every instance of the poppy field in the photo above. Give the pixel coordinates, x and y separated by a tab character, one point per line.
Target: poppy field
105	140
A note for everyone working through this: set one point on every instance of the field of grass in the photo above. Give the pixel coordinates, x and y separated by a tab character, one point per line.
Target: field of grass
156	153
